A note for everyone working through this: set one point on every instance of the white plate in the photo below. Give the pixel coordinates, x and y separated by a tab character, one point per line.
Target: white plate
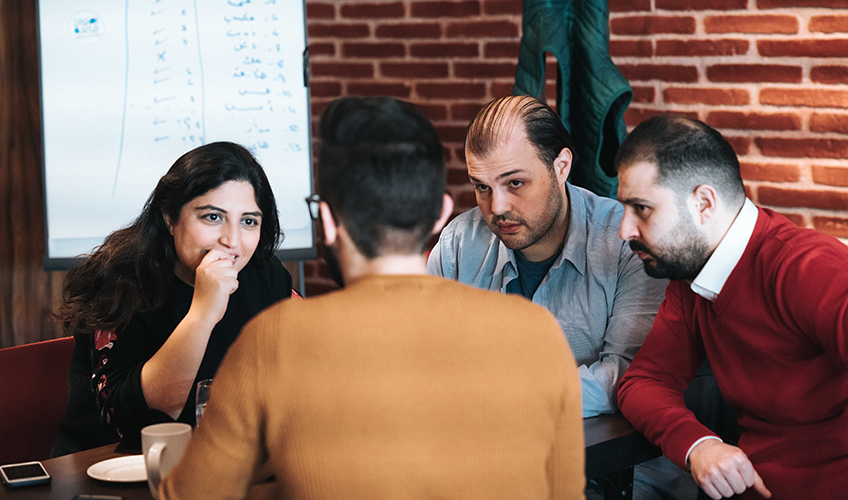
129	469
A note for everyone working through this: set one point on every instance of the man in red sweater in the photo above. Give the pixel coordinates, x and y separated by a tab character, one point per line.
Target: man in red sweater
765	301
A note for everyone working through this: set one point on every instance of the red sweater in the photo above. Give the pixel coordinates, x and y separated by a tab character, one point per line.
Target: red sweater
777	339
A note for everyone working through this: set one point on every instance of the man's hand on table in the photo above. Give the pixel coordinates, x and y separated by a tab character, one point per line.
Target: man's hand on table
722	470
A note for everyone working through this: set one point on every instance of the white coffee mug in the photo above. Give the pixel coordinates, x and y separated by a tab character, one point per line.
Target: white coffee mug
163	445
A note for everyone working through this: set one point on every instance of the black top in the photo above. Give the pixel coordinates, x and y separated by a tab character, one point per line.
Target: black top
530	275
105	400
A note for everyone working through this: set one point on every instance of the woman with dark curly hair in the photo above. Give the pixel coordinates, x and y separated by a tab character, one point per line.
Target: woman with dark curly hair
156	306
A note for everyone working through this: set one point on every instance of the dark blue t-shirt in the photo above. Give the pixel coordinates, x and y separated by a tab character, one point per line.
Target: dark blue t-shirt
530	275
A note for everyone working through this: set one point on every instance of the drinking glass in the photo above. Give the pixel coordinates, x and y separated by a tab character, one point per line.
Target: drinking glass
202	398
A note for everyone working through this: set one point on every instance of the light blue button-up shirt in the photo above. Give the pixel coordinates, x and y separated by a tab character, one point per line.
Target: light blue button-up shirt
597	288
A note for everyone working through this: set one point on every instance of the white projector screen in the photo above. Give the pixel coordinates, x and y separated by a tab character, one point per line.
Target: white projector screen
128	87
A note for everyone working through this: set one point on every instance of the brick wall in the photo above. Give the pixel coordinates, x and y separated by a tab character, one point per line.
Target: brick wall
770	74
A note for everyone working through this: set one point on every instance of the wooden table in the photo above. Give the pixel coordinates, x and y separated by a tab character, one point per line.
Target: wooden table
613	447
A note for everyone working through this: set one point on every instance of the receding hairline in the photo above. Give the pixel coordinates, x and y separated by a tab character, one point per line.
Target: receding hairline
497	121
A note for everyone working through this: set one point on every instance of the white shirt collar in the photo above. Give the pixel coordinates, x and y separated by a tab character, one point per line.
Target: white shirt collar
711	279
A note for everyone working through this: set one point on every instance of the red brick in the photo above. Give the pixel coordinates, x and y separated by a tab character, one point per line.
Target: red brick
754	120
373	10
466	199
501	49
343	70
646	25
457	176
800	148
701	47
499	89
635	116
829	74
401	90
701	4
629	5
691	95
833	226
643	94
465	111
777	4
320	10
452	90
444	50
831	176
484	70
414	70
828	24
754	73
631	48
740	145
409	30
803	48
322	49
796	219
804	97
318	108
336	30
445	9
373	50
483	29
829	122
496	7
663	72
774	172
325	89
751	24
784	197
451	133
434	112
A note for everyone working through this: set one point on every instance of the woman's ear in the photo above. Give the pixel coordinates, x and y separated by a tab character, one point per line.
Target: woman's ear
447	210
331	231
168	223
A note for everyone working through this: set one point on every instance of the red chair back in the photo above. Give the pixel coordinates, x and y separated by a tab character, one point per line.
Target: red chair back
33	395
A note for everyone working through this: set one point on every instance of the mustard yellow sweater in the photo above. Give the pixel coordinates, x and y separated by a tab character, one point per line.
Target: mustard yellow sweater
396	387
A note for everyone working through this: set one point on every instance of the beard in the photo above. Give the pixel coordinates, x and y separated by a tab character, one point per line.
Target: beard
680	261
331	257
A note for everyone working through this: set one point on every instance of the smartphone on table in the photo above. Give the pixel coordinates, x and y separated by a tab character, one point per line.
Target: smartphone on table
24	474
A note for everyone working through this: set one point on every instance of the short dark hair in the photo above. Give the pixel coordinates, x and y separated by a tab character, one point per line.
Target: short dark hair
133	269
381	170
687	153
543	127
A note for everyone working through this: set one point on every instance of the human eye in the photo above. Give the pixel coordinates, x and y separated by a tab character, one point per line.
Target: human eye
212	217
250	222
641	210
516	183
481	188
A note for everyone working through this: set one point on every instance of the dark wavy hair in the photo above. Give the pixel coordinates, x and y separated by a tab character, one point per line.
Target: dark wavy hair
134	267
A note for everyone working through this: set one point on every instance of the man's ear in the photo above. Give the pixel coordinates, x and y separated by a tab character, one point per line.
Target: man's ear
705	200
447	210
331	231
562	164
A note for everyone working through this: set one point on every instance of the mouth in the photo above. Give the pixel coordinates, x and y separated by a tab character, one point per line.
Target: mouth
508	228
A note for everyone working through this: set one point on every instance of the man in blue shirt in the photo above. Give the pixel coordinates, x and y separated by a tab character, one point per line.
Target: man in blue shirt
535	235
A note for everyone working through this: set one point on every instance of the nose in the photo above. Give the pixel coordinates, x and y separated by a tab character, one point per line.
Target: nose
628	230
500	202
230	235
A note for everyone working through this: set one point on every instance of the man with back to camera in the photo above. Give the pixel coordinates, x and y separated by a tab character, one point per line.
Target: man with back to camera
399	385
767	302
534	234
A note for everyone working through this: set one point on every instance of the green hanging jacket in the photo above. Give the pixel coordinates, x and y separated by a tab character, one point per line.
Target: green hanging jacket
593	94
